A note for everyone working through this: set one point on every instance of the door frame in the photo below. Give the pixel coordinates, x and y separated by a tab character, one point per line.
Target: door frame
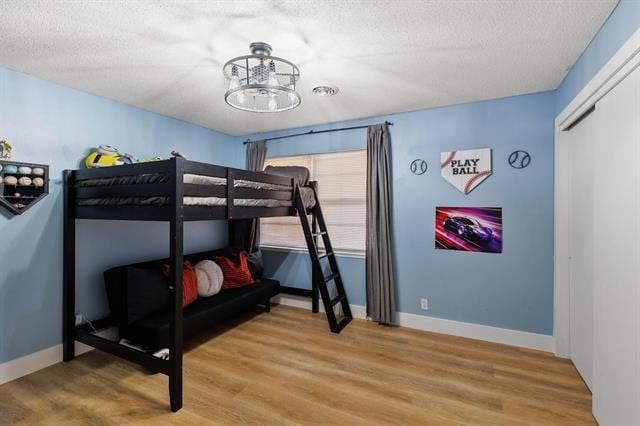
625	60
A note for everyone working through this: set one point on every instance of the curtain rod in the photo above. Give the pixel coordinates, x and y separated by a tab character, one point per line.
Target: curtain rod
314	132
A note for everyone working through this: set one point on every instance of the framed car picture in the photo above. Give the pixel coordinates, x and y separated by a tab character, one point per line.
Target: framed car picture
477	229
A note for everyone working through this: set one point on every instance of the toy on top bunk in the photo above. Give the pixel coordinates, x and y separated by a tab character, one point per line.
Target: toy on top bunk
5	150
108	156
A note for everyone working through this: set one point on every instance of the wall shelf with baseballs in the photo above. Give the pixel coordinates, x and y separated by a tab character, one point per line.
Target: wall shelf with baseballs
22	185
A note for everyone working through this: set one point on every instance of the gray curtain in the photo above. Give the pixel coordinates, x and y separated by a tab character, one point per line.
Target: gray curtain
381	304
255	156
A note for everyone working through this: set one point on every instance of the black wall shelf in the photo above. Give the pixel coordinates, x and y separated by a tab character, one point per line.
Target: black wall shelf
17	199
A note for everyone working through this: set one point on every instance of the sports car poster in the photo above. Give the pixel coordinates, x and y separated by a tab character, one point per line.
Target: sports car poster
476	229
466	169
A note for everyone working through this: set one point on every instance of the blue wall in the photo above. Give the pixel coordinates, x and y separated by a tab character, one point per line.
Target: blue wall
50	124
621	24
511	290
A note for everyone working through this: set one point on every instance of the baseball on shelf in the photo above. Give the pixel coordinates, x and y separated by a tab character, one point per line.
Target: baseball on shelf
11	180
24	181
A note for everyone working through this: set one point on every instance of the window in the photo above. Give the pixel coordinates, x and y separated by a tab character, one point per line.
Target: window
342	181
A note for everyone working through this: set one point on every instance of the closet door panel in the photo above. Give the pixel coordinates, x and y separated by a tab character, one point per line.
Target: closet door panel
616	368
581	139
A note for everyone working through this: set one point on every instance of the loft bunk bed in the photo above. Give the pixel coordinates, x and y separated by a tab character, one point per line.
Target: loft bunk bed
178	191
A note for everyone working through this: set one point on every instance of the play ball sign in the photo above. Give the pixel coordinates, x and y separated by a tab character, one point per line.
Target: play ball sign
466	169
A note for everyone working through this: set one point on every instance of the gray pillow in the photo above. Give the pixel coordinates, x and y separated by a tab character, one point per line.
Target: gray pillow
301	174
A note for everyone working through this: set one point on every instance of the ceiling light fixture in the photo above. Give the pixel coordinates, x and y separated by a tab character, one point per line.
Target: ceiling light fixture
260	82
325	90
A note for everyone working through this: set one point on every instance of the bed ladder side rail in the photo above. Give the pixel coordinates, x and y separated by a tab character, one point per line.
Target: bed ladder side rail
320	281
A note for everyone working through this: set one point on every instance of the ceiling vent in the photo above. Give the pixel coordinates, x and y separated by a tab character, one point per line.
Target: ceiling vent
325	90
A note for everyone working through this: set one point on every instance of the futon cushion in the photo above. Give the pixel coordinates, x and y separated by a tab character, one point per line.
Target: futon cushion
116	285
236	271
153	331
147	292
189	282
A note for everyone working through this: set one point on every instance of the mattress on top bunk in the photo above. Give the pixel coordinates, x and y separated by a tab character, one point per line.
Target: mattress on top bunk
152	178
307	194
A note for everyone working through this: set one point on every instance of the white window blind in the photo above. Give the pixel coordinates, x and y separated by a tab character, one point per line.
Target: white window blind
342	183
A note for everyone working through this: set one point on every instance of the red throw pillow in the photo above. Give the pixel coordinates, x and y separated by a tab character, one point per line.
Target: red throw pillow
236	274
189	282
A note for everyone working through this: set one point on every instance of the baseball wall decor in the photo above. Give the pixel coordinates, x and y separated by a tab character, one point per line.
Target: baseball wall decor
418	166
476	229
22	185
519	159
466	169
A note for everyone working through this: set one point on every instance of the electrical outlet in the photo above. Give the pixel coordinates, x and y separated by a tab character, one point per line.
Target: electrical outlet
424	304
79	319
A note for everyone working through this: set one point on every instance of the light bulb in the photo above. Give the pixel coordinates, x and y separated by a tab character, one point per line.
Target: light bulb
272	104
234	82
292	86
273	79
240	96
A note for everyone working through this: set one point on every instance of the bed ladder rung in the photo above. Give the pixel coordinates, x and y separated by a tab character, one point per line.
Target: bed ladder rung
325	254
311	232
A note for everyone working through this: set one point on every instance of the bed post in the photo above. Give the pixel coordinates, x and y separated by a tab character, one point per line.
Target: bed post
176	254
69	267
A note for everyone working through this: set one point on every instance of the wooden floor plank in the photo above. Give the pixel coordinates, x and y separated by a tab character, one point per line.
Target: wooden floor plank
285	367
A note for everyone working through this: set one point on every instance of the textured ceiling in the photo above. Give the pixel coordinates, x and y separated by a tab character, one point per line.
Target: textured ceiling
385	56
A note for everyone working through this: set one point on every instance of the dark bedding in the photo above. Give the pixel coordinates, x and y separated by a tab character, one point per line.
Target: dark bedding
126	180
301	174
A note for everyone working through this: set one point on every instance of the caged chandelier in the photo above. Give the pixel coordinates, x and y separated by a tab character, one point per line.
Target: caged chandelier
260	82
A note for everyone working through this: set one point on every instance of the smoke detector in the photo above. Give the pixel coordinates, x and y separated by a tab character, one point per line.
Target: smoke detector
325	90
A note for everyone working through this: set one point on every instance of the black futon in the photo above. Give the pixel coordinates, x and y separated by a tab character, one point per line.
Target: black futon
153	330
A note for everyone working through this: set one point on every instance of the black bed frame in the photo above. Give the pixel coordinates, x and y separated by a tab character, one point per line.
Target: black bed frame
176	213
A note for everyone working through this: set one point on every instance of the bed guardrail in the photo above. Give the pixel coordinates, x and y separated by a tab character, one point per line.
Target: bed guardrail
155	183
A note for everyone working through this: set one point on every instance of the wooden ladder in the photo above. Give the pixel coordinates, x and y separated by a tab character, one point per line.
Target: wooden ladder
319	280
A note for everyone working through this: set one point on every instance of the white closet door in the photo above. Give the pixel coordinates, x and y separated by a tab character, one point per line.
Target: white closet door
581	140
616	367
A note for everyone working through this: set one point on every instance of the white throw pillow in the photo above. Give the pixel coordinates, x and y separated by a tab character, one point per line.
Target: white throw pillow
209	278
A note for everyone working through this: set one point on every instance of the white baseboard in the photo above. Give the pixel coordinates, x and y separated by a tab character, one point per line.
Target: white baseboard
487	333
31	363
